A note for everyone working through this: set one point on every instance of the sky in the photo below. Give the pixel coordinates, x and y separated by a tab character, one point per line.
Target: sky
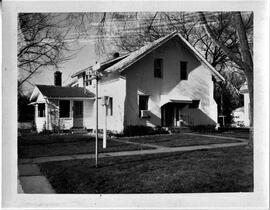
84	57
85	54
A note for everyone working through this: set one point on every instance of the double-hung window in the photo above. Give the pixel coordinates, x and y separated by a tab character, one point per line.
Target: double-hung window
41	110
143	103
183	70
158	67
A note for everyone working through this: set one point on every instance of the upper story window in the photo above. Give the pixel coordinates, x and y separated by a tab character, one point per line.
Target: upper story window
41	110
183	70
64	107
87	80
158	67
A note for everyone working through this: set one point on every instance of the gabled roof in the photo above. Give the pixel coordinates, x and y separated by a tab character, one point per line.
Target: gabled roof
142	52
121	63
103	65
64	92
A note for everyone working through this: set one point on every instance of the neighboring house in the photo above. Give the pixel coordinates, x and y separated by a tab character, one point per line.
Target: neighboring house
238	117
59	107
246	117
163	83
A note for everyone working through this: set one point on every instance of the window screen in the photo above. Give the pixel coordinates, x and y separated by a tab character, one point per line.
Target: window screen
41	110
158	65
64	108
183	70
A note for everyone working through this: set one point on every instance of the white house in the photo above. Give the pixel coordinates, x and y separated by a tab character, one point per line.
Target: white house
164	83
246	117
238	117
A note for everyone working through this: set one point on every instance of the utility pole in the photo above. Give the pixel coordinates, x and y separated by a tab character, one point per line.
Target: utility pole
96	75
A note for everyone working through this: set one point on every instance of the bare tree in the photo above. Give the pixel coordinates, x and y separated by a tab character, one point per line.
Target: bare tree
243	59
42	42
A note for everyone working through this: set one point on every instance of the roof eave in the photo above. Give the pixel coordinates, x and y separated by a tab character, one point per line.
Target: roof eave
147	52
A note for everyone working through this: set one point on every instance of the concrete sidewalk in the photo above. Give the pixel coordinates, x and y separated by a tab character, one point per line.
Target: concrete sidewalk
31	180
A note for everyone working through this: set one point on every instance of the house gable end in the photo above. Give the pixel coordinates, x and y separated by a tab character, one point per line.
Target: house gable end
144	51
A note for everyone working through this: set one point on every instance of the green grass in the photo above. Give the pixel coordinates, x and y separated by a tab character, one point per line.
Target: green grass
216	170
180	140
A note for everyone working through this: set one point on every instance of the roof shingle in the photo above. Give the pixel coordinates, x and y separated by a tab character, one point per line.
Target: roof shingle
56	91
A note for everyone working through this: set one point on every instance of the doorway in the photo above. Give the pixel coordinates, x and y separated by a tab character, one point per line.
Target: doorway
171	114
78	114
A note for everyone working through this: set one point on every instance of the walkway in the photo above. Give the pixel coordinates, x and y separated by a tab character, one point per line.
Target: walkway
31	180
158	149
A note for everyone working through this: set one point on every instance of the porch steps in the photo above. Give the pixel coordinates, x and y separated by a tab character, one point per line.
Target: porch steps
78	130
182	129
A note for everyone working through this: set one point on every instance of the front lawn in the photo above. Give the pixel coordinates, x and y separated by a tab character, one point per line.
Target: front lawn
215	170
70	146
180	140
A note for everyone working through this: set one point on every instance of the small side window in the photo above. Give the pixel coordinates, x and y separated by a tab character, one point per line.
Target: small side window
158	66
110	107
41	110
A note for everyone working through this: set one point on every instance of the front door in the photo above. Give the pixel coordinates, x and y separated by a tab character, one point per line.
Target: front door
167	116
171	115
78	114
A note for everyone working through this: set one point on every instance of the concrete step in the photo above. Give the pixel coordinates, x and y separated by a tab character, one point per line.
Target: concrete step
179	129
78	130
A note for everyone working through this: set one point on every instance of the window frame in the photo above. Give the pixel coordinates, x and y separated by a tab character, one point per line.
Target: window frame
158	69
39	110
109	110
147	103
181	70
69	114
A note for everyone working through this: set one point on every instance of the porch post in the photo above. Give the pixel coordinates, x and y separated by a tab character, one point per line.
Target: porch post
174	116
46	116
36	114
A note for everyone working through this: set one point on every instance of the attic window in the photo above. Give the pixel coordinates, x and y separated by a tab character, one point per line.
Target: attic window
41	110
158	65
64	108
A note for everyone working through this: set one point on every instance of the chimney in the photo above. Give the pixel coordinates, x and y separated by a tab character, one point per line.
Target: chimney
58	78
116	55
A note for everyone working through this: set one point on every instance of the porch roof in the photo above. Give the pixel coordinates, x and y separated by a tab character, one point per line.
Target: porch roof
164	99
64	92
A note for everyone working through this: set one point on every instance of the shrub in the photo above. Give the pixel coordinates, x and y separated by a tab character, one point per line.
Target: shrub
139	130
203	128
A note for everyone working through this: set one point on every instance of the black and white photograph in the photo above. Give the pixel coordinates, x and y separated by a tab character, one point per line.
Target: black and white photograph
142	101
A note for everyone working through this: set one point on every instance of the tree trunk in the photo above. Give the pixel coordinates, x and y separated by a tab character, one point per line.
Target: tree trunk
246	58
